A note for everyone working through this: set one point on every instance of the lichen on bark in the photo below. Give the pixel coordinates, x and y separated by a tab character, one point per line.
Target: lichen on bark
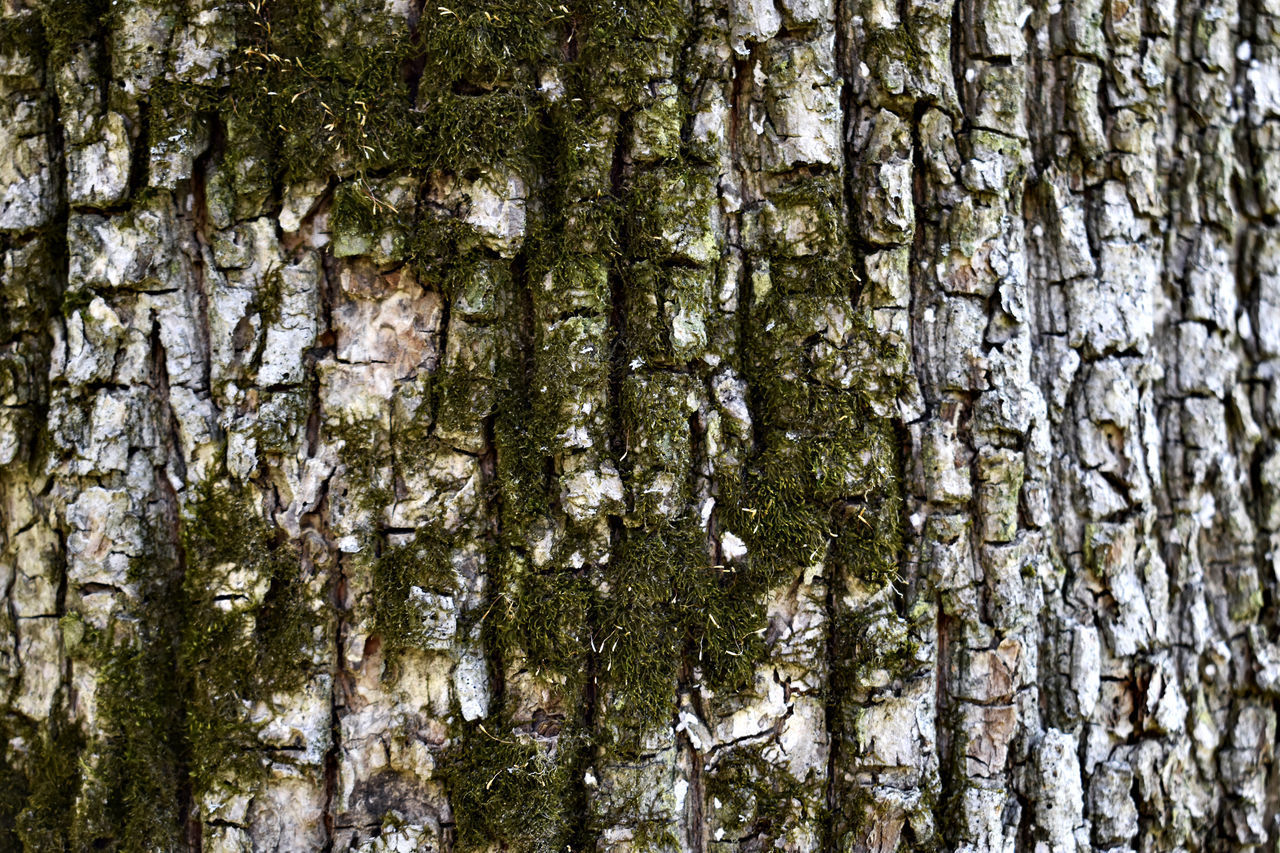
641	425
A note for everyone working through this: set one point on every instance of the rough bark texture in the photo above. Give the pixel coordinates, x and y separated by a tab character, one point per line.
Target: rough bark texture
841	425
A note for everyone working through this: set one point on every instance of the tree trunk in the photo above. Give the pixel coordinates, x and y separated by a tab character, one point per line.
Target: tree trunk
639	425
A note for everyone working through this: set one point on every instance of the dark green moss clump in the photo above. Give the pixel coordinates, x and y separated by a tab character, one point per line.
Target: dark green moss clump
666	600
68	24
462	90
522	479
896	44
174	675
826	469
512	787
132	800
22	35
543	615
13	794
644	623
36	807
869	641
236	646
423	563
869	538
135	764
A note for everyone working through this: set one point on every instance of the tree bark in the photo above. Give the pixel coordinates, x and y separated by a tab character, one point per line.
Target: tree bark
639	425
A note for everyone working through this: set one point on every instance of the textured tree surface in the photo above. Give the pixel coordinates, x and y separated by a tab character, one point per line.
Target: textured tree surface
639	425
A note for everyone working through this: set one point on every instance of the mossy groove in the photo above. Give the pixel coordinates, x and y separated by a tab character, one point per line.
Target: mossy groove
175	676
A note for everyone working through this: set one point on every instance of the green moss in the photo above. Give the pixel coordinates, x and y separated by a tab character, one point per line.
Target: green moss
318	103
589	216
362	222
670	214
174	677
655	419
131	797
826	467
14	790
868	538
896	44
355	210
75	300
653	836
468	383
423	563
869	641
543	615
477	130
522	477
654	300
46	784
619	40
855	469
134	765
236	650
22	35
436	246
665	599
769	507
367	455
68	24
489	43
726	609
311	92
511	787
321	102
643	294
563	282
758	798
570	364
482	290
644	622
